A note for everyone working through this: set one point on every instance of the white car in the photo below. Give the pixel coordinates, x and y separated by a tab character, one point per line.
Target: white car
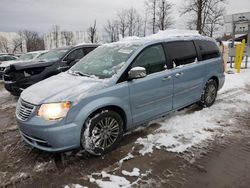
30	56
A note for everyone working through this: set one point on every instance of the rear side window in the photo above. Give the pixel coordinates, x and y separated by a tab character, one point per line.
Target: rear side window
208	49
152	59
89	49
181	52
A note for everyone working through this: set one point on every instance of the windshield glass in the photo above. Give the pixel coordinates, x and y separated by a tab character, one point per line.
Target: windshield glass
28	56
53	55
104	61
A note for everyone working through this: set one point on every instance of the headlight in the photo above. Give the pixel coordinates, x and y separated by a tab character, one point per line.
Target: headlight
54	111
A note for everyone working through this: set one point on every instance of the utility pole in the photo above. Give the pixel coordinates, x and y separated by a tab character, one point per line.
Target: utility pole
232	45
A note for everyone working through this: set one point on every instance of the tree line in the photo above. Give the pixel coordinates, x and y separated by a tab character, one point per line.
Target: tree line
206	16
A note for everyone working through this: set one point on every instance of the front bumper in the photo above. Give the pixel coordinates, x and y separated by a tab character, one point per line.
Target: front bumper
55	137
12	88
16	87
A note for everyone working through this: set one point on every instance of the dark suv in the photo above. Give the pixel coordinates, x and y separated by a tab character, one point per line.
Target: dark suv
20	76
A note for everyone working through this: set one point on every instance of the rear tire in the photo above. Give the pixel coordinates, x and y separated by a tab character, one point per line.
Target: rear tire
209	93
102	133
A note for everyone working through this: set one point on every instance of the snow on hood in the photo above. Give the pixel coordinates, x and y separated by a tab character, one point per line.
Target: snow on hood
62	87
8	63
32	64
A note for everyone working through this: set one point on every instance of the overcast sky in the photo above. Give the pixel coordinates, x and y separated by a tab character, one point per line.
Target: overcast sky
74	15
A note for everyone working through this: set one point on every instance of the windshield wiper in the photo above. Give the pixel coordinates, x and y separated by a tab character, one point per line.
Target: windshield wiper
80	73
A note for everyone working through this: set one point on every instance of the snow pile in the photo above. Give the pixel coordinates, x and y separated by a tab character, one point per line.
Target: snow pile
128	157
114	181
236	81
135	172
181	131
45	166
75	186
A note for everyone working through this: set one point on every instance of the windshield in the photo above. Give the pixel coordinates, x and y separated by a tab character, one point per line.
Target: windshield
53	55
28	56
104	61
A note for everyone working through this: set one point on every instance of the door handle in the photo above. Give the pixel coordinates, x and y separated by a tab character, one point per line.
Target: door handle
167	78
178	74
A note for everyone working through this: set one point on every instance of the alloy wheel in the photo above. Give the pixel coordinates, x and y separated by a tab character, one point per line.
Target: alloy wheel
105	132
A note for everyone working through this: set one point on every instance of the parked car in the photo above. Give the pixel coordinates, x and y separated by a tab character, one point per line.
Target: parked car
23	58
7	58
116	88
22	75
5	54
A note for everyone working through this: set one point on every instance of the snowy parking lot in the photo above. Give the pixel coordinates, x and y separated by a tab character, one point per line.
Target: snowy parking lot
193	147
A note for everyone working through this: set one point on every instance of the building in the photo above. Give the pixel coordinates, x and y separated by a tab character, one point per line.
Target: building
12	42
64	38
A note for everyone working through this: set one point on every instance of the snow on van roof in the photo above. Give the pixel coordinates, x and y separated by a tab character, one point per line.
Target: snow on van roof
163	35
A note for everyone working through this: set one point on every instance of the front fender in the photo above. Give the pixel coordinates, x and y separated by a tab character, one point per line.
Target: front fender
79	114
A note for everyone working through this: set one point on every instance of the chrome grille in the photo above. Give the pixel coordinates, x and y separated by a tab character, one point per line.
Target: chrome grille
24	110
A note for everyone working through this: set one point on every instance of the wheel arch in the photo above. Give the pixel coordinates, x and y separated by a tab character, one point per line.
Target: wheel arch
215	78
114	108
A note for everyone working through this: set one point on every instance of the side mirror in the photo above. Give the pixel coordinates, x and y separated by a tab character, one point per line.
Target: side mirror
137	72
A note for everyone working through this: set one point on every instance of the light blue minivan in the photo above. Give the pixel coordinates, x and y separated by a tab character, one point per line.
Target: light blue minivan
116	88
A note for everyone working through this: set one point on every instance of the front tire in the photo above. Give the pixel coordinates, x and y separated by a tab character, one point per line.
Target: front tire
102	133
209	93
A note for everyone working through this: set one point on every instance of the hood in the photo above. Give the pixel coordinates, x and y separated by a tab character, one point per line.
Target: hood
62	87
31	64
8	63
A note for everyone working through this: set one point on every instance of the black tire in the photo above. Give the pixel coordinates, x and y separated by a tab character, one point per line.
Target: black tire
104	127
16	94
209	93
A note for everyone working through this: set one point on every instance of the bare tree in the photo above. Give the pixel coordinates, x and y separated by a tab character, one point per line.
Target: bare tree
134	22
55	35
122	21
163	12
145	20
112	30
4	44
17	43
33	40
67	36
92	35
203	13
151	8
214	21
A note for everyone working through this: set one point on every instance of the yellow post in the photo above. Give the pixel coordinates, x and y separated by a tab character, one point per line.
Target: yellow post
236	59
243	45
